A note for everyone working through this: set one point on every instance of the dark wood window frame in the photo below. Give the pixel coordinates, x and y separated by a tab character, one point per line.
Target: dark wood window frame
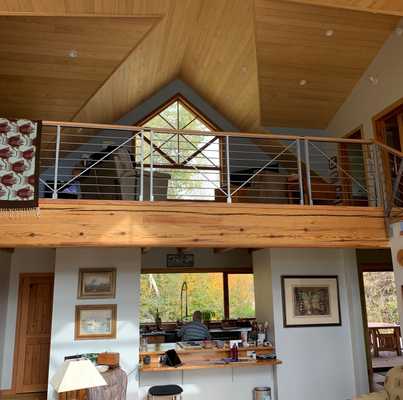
226	273
199	115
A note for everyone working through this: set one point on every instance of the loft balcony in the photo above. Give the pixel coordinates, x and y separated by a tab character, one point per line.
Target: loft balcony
119	185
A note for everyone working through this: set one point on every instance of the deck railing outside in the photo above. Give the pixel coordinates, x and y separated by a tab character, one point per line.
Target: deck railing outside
109	162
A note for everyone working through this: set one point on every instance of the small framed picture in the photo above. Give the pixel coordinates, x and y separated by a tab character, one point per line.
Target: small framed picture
95	322
180	260
311	301
97	283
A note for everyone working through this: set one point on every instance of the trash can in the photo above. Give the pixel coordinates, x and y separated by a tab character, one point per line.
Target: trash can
262	393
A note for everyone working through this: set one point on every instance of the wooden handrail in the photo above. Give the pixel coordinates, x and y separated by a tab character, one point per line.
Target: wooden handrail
389	149
267	135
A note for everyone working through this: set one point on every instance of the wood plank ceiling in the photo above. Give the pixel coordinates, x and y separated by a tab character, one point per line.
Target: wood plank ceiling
39	73
292	46
387	7
245	57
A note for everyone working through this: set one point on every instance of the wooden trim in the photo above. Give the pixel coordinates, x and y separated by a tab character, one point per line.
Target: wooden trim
375	267
76	223
226	295
177	97
198	133
79	308
359	130
389	149
365	328
346	181
17	338
198	270
388	111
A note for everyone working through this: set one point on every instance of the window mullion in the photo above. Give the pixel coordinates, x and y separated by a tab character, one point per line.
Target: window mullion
226	295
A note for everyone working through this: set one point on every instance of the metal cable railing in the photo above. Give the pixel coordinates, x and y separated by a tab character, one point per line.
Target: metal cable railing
390	167
112	162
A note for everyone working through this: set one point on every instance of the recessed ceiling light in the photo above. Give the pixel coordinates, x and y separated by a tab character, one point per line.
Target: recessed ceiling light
73	53
329	33
399	31
373	79
303	82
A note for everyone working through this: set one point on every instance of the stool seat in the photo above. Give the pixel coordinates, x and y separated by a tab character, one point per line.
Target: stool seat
165	390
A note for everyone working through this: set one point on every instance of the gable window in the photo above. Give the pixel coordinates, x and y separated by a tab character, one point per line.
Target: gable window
191	161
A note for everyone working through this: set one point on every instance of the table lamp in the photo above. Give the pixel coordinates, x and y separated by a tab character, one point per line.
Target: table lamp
76	375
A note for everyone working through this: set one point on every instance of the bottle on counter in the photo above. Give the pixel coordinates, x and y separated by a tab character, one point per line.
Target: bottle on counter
158	320
234	353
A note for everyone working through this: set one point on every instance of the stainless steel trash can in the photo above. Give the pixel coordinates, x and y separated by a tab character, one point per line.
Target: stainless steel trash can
262	393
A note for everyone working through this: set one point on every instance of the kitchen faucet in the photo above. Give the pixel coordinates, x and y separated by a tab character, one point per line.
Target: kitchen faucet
184	292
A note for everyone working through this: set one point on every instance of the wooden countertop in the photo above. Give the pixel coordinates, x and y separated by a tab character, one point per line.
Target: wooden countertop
204	358
203	364
161	348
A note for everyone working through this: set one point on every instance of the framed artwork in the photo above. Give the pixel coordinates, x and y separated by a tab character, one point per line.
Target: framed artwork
180	260
310	301
97	283
95	322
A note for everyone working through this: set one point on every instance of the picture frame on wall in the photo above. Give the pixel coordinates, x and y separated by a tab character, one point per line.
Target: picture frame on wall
97	283
310	301
97	321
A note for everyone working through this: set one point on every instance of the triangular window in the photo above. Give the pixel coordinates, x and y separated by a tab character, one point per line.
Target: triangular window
192	160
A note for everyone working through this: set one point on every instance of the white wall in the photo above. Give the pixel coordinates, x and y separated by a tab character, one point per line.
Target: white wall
318	362
5	264
366	99
22	261
127	261
222	384
263	286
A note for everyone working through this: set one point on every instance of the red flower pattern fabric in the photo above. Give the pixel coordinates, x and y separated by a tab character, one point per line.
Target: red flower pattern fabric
18	156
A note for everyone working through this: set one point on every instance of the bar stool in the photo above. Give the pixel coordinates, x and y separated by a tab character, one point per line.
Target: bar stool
172	392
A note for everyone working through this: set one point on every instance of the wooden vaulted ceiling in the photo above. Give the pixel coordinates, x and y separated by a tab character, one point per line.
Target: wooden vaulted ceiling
245	57
39	75
292	46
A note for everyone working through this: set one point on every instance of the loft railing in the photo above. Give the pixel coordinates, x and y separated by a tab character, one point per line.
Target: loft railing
390	168
114	162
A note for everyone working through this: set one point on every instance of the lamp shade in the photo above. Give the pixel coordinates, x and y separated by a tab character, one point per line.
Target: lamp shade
76	375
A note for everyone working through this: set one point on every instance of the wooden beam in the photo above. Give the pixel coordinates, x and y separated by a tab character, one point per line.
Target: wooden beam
250	251
182	249
387	7
75	223
223	250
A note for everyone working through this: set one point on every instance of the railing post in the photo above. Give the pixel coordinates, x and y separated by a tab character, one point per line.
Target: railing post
300	179
308	171
151	167
56	172
228	166
141	194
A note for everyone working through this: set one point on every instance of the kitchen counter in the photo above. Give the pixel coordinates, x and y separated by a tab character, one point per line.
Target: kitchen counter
203	358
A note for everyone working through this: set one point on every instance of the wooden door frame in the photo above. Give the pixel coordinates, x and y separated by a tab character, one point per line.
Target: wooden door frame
344	163
381	116
379	134
17	339
361	268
